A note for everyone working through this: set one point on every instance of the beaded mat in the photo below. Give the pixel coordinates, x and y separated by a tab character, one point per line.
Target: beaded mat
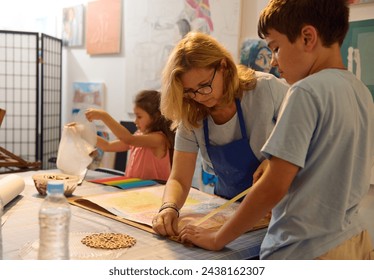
78	251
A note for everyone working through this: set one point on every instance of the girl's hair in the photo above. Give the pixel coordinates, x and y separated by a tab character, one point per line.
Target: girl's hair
149	101
199	50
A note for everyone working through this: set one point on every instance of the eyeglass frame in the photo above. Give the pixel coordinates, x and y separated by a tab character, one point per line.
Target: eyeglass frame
189	93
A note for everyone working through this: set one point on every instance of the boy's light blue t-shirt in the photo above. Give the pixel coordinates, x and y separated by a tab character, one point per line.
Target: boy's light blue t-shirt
326	127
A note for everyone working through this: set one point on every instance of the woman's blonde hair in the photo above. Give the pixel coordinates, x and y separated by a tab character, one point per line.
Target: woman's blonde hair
199	50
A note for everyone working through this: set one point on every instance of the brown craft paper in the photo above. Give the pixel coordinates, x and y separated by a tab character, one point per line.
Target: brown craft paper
214	222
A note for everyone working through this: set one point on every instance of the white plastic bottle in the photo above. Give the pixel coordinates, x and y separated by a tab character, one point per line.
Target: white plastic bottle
54	222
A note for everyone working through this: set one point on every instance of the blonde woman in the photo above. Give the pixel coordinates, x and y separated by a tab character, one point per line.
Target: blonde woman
225	110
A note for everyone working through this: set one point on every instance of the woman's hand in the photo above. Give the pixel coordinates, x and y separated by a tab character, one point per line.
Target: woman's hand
165	223
201	237
260	170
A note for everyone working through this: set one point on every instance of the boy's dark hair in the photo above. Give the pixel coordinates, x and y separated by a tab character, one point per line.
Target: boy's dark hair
149	101
329	17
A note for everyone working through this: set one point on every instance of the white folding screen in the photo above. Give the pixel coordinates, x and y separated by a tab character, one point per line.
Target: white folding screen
18	92
50	105
30	92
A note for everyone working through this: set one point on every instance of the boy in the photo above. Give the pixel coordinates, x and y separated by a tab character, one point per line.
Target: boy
321	149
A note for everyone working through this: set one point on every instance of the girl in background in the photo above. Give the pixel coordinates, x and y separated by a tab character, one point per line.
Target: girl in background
150	146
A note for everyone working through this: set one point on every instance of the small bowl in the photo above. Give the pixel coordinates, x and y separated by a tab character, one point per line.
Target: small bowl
41	181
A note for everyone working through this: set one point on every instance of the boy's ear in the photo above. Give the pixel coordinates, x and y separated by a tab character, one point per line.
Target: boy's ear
310	36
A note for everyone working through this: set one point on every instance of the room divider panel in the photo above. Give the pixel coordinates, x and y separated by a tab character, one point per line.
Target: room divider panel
51	68
30	93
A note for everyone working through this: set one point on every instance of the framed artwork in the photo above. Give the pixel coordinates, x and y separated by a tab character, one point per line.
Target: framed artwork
103	27
358	53
256	54
72	26
87	95
157	26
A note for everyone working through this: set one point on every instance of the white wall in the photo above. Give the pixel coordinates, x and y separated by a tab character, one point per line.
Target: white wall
250	12
78	66
33	16
362	12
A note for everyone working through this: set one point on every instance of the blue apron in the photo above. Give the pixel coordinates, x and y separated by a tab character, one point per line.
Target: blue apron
234	163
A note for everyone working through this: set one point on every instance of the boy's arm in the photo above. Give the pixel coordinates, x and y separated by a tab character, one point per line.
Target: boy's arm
260	200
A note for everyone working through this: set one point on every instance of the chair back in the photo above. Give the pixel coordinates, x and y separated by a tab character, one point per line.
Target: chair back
121	157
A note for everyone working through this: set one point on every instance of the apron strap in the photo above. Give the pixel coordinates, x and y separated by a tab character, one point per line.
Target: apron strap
206	132
241	119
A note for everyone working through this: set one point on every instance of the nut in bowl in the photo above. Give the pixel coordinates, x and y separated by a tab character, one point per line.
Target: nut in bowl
41	181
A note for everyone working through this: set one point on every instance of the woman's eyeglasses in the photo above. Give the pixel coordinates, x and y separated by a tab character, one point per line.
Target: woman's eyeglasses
204	90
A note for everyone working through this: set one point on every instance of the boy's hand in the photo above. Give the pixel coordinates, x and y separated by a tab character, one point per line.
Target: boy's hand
260	170
201	237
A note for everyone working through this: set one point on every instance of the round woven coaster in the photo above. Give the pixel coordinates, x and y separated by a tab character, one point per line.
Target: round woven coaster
109	240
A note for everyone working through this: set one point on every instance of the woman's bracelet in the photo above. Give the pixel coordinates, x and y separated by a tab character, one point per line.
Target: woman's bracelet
167	205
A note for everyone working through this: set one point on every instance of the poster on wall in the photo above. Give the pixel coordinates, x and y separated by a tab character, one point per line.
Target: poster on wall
103	27
72	26
156	26
256	54
358	53
87	95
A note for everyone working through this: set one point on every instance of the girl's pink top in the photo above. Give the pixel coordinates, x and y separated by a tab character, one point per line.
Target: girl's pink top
144	165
